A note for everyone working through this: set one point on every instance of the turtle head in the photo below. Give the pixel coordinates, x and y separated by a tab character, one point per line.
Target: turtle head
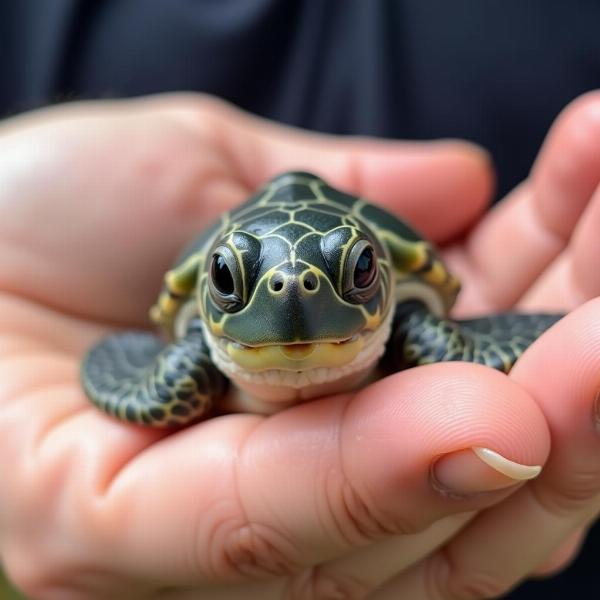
294	309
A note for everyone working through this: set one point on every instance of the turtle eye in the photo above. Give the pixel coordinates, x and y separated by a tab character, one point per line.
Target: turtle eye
221	275
225	280
360	273
365	269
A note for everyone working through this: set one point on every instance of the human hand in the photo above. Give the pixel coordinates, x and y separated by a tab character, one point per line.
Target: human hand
536	251
96	201
228	191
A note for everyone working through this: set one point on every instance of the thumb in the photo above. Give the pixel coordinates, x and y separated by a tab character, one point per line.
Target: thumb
248	496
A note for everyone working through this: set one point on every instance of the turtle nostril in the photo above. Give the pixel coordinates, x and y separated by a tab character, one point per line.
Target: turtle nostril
277	282
310	281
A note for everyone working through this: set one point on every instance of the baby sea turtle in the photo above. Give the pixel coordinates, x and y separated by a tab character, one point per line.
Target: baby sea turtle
297	293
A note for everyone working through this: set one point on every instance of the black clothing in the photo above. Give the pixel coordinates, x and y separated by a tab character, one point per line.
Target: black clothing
495	72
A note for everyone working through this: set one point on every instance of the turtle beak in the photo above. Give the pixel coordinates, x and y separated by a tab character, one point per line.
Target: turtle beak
295	357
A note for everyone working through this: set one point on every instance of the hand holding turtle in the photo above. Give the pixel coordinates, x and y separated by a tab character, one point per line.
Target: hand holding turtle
142	507
294	295
551	221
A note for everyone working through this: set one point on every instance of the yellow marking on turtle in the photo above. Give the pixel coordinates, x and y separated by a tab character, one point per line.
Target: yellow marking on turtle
179	284
267	195
167	304
372	321
315	186
182	279
155	314
240	263
357	207
315	232
436	275
216	327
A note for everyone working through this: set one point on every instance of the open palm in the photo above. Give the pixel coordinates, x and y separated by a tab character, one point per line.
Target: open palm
96	201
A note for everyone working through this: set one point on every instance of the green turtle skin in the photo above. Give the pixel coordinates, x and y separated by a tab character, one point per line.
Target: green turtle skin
421	338
298	292
134	376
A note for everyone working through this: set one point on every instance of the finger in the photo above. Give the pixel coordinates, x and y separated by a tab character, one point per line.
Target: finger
411	584
573	277
95	225
411	176
452	179
376	561
244	497
440	187
362	571
561	371
563	556
114	220
524	233
26	327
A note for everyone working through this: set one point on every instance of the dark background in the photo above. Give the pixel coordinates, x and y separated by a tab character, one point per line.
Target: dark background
495	72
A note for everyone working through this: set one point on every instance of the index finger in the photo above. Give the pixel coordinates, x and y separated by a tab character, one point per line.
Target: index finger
522	235
96	225
439	186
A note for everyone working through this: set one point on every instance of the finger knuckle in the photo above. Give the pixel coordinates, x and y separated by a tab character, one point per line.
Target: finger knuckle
194	105
207	113
232	542
571	496
254	551
321	583
357	516
449	579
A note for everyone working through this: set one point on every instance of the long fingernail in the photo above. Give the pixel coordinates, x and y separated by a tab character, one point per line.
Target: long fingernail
477	470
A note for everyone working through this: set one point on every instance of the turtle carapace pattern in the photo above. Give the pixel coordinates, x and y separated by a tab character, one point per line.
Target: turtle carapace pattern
297	293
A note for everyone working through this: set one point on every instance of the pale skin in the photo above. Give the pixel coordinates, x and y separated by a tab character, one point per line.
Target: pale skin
340	495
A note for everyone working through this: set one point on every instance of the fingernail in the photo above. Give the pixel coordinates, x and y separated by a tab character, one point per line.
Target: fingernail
477	470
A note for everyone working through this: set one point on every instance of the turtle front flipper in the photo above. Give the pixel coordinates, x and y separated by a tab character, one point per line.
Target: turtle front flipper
419	337
135	377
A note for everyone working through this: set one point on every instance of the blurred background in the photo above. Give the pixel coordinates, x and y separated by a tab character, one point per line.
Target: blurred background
495	72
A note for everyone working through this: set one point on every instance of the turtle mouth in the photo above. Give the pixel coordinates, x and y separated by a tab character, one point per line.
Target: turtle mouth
292	350
297	365
297	351
294	356
301	351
